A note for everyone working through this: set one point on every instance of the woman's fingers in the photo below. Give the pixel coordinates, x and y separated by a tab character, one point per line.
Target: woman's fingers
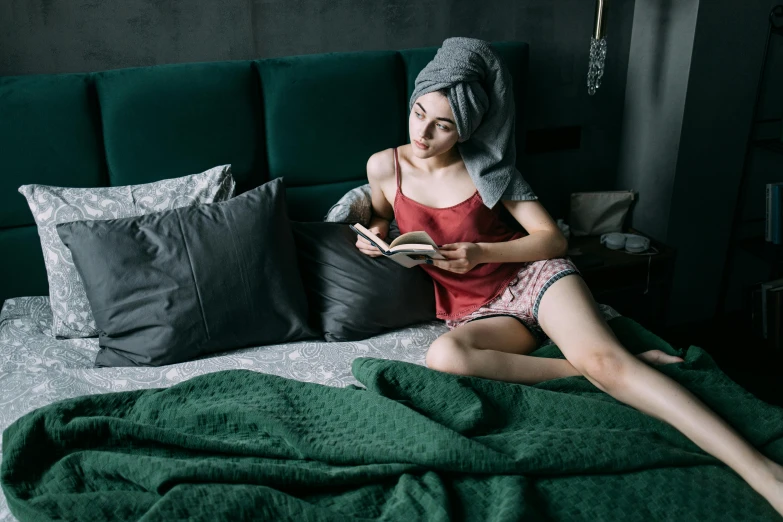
363	244
365	247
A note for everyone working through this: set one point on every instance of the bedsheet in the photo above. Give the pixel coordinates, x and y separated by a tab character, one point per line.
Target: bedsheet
36	369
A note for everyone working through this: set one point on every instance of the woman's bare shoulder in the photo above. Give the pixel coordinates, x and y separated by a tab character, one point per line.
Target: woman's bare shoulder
380	166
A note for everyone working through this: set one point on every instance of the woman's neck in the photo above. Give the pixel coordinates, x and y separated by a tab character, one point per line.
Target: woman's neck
437	164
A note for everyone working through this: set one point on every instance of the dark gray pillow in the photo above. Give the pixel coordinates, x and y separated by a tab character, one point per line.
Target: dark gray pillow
175	285
353	296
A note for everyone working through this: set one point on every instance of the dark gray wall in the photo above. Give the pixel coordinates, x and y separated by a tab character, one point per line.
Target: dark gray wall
656	87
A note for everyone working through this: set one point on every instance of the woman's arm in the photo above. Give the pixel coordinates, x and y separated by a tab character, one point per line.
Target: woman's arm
535	247
378	174
544	241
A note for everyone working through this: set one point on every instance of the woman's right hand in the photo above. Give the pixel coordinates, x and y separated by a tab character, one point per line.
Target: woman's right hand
365	247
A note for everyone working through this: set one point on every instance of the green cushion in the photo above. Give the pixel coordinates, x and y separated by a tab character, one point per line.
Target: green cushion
325	115
173	120
50	134
21	263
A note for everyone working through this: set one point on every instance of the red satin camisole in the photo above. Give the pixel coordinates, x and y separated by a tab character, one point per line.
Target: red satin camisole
457	295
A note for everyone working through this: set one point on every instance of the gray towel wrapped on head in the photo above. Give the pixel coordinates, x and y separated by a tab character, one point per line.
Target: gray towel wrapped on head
481	97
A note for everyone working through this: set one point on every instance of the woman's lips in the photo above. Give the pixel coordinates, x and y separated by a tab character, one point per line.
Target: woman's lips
421	146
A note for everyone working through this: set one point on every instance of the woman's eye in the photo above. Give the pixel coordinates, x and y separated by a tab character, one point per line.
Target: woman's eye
439	125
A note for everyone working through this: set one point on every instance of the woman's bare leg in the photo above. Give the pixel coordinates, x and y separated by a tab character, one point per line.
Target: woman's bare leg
494	348
497	348
569	316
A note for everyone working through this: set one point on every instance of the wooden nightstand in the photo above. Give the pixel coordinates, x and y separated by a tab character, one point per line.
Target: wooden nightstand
637	286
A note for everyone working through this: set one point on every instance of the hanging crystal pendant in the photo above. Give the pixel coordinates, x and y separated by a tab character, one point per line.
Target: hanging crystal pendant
596	68
597	48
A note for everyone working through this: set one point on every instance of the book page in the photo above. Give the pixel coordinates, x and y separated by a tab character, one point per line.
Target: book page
409	259
412	238
407	255
411	246
416	253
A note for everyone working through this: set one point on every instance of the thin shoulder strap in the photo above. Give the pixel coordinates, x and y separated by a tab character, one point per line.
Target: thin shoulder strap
397	171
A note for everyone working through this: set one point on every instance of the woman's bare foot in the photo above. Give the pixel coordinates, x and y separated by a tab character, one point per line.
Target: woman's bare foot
769	481
658	357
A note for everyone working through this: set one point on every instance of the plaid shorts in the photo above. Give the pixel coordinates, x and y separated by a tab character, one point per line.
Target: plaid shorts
523	294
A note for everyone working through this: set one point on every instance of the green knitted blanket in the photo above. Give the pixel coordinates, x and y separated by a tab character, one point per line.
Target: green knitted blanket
414	445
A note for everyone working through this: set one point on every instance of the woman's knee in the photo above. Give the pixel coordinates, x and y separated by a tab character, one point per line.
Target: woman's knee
448	355
605	367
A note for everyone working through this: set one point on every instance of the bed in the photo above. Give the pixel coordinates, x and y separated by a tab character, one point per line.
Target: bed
580	455
140	125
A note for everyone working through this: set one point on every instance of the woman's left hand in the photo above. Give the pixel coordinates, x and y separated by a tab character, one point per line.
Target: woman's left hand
461	257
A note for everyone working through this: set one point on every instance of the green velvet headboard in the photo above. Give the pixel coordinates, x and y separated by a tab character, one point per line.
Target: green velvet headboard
312	119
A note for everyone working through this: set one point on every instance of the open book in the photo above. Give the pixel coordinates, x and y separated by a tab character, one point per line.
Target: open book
410	249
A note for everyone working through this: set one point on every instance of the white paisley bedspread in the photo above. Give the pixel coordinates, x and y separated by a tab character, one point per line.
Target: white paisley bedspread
36	369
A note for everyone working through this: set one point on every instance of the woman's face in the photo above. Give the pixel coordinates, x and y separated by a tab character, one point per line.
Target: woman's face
431	123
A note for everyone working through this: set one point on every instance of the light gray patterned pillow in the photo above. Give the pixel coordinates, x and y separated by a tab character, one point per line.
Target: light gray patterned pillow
356	207
50	206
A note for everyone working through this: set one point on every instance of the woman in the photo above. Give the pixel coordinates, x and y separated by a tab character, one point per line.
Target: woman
521	286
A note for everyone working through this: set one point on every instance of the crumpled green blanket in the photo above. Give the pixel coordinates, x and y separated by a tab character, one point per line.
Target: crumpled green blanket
416	444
